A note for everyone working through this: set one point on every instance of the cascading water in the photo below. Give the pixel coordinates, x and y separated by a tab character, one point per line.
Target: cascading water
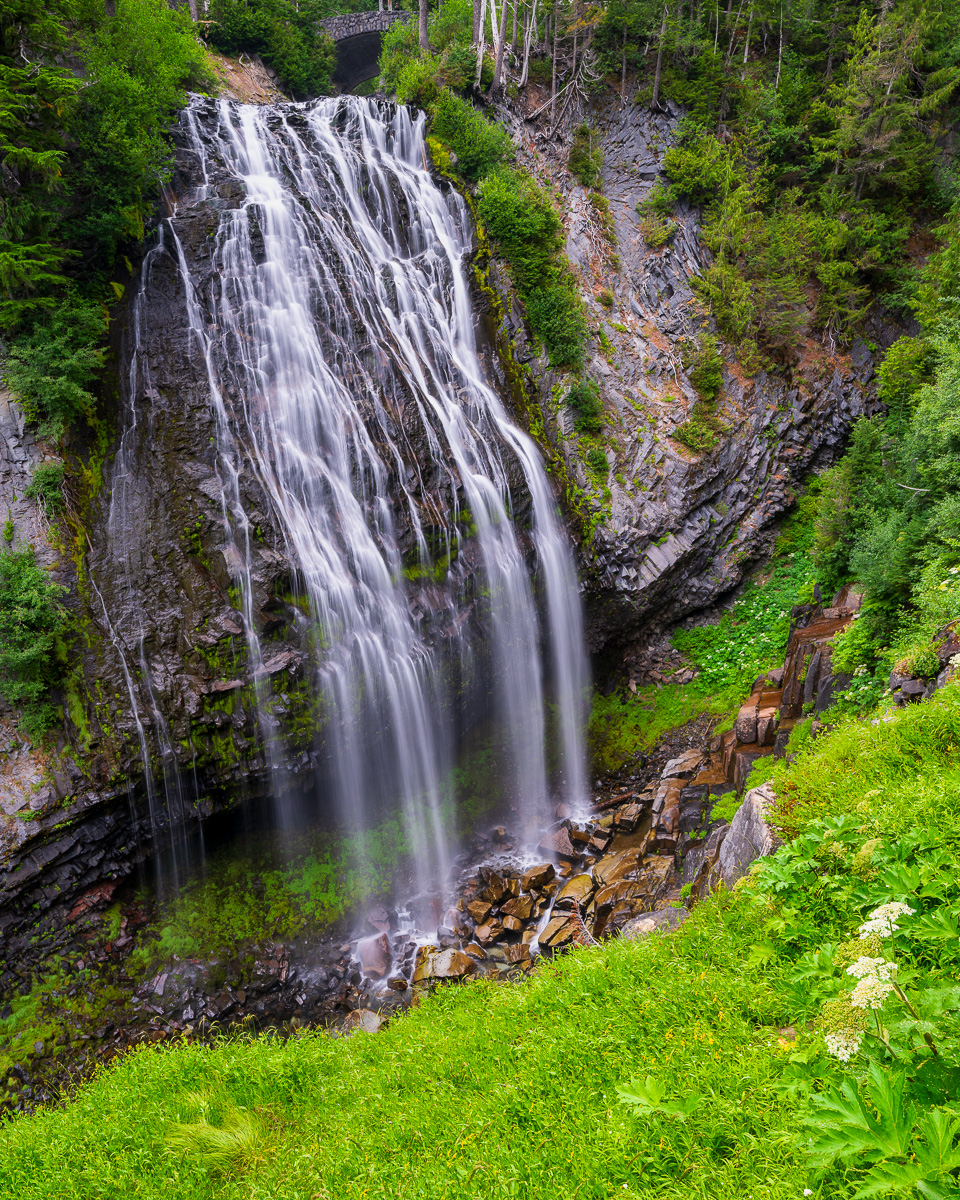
433	585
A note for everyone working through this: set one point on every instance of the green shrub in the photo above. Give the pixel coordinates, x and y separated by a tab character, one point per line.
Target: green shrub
597	461
584	398
556	315
417	83
480	145
51	367
585	158
46	486
655	231
704	364
701	432
601	207
32	623
524	223
854	647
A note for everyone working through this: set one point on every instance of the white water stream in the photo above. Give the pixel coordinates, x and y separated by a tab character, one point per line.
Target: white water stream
337	336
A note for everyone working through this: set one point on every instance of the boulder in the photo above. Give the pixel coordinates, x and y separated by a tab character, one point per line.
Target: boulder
537	878
442	964
577	890
479	910
749	836
362	1020
374	956
488	932
618	866
558	932
559	843
520	907
665	921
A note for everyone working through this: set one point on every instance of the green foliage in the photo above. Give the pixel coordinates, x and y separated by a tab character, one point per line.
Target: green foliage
483	1071
524	223
556	315
46	486
584	398
656	231
85	151
480	145
597	461
701	431
728	656
585	158
51	367
32	623
287	35
704	363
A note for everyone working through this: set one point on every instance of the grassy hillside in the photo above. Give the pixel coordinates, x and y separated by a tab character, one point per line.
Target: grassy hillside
714	1034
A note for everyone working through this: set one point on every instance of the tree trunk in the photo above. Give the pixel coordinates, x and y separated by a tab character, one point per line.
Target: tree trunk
496	88
553	65
513	40
623	70
527	44
477	18
480	46
424	40
655	98
780	51
746	44
733	34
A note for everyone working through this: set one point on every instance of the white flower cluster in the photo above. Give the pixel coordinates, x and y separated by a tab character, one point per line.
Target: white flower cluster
845	1044
882	921
872	968
870	992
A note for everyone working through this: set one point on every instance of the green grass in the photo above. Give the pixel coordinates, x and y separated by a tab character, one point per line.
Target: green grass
495	1090
729	655
484	1090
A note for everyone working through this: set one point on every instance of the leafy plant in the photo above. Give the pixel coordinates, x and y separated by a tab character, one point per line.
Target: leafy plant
46	486
585	158
584	398
32	623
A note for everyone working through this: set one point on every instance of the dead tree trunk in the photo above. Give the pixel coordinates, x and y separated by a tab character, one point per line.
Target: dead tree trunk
655	98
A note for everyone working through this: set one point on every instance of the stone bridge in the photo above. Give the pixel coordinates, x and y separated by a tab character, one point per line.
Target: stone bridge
358	37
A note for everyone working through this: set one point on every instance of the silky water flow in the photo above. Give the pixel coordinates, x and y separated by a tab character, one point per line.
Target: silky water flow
337	339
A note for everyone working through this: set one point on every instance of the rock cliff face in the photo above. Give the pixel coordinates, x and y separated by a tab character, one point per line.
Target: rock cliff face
669	531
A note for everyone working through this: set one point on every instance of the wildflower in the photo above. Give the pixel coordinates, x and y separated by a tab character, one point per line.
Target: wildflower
882	921
843	1045
870	992
809	1191
872	968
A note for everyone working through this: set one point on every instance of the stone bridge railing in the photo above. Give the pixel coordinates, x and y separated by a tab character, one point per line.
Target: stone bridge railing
349	25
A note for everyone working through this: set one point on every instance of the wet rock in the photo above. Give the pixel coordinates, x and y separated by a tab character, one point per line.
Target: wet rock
559	931
512	924
362	1020
479	910
442	964
618	866
749	837
577	890
475	951
665	920
374	955
379	919
490	931
520	907
517	954
559	843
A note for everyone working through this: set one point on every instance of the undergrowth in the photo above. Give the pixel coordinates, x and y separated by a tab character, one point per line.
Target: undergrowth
728	655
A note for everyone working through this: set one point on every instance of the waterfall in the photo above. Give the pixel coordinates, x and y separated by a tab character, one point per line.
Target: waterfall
332	323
